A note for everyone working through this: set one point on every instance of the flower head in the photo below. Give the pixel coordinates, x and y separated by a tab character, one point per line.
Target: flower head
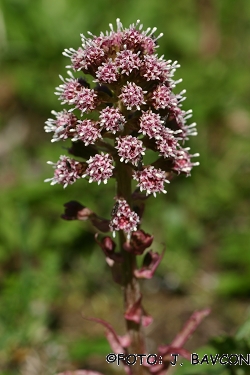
182	162
154	68
130	149
100	168
137	40
127	61
151	124
132	96
151	180
128	109
111	119
162	97
87	132
68	90
107	72
62	126
167	143
67	171
123	218
85	100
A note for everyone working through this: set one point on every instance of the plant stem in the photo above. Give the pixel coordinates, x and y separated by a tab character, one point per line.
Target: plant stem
131	286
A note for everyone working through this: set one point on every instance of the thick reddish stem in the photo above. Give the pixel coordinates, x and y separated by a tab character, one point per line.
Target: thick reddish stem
131	287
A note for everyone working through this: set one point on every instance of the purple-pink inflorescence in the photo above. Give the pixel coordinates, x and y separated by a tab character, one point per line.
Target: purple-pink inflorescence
124	218
100	168
67	171
128	111
151	180
130	149
112	119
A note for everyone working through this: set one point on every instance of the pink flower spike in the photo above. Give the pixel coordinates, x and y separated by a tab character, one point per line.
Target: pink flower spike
87	132
123	218
151	180
130	149
67	171
132	96
111	119
100	168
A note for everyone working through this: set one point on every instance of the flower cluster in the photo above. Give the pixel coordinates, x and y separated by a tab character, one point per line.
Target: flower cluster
67	171
126	123
151	179
130	149
99	168
128	109
123	218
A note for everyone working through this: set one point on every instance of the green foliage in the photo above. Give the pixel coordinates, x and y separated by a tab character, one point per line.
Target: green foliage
84	348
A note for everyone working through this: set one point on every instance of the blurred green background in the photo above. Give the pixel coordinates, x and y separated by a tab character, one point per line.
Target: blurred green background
52	271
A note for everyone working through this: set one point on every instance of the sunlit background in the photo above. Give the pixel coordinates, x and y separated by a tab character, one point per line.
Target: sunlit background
51	271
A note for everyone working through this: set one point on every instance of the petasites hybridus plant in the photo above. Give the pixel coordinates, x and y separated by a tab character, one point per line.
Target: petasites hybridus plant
120	112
